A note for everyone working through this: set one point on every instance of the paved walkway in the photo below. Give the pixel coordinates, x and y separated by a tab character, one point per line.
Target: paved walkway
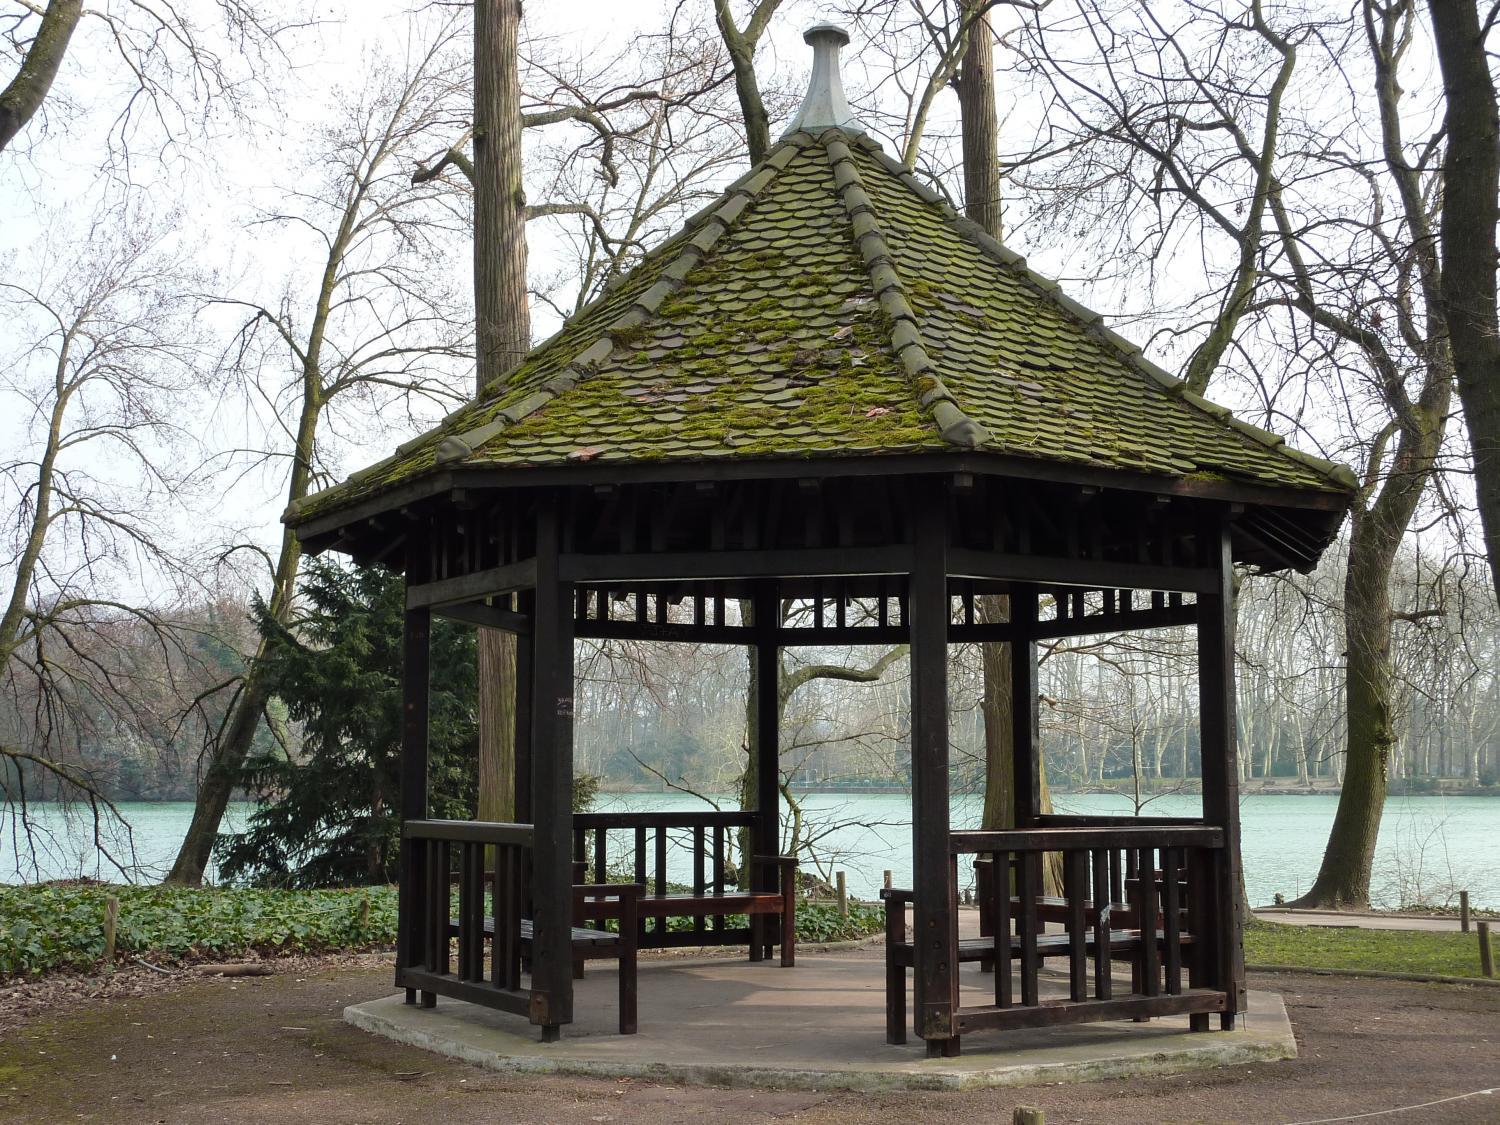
1361	921
968	920
819	1026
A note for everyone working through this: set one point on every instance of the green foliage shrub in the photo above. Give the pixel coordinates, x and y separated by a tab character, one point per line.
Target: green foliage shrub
49	927
330	816
54	927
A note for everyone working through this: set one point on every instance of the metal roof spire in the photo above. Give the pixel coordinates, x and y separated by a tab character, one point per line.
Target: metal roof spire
824	106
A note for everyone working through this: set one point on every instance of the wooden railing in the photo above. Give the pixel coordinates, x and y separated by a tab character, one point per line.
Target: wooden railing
1145	894
648	844
710	893
644	840
428	921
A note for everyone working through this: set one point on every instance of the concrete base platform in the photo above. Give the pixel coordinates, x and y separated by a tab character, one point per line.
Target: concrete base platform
816	1027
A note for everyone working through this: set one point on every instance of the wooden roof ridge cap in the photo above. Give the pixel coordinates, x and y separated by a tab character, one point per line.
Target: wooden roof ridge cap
713	222
954	426
1094	325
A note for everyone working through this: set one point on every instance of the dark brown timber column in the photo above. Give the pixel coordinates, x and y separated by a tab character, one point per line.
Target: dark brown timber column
1024	705
1221	798
767	748
552	785
934	941
523	711
416	659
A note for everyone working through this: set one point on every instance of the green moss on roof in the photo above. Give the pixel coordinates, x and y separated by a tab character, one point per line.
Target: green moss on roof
806	317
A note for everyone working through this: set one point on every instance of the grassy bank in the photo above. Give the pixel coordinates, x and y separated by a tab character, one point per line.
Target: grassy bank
61	927
1388	951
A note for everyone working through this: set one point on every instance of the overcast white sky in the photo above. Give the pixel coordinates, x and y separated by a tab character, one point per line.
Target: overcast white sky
217	185
54	185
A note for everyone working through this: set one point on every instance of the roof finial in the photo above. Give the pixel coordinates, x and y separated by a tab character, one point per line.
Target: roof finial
824	106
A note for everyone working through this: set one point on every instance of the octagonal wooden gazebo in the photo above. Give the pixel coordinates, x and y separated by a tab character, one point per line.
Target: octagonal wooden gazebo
832	389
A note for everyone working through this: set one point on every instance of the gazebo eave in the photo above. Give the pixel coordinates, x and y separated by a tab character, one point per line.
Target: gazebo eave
359	525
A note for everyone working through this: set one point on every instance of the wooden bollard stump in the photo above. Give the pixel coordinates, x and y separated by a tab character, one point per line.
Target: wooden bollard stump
1028	1115
111	921
1486	954
1463	911
843	893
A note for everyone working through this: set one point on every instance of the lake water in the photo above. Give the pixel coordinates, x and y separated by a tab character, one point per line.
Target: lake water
1429	846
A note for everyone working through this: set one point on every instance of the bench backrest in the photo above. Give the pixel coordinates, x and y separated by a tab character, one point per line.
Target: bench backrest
645	838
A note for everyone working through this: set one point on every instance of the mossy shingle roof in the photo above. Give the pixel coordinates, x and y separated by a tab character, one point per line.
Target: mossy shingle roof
830	305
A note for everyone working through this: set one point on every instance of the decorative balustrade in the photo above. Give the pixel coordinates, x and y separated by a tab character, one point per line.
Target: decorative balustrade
708	903
1139	893
430	927
1144	894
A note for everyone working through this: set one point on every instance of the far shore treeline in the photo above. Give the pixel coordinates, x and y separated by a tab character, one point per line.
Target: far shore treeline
1106	724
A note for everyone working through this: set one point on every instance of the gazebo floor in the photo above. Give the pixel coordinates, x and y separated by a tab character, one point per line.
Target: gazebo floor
820	1025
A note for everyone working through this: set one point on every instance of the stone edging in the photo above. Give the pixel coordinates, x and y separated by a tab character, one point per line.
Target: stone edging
1376	974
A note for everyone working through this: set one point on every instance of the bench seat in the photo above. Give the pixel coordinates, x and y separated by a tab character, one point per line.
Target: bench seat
1125	943
1122	944
710	904
594	944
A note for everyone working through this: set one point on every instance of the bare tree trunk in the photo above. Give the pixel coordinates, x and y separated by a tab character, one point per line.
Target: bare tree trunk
981	130
28	89
741	47
1471	179
502	328
1344	877
997	707
237	736
233	744
981	151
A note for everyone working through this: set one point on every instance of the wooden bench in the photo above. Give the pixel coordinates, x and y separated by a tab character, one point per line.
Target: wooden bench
1123	945
770	906
595	944
1141	893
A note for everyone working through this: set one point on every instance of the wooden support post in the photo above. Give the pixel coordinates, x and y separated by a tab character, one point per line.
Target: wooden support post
1486	953
111	918
843	894
1025	704
1463	911
524	689
767	749
934	941
416	660
1221	799
552	784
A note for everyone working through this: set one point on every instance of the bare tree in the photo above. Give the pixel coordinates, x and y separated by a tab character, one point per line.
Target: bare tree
99	387
374	332
741	43
175	69
40	59
590	97
1471	186
1215	127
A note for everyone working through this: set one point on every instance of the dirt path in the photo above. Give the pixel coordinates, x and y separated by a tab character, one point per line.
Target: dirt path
275	1050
